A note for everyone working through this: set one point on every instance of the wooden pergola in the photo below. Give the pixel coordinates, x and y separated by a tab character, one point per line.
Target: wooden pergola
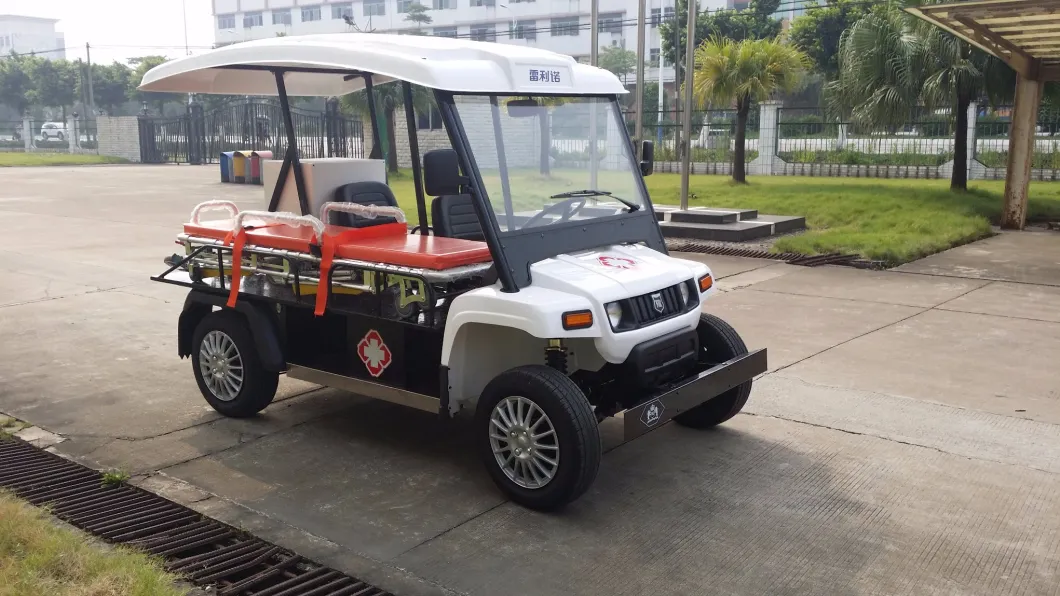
1025	34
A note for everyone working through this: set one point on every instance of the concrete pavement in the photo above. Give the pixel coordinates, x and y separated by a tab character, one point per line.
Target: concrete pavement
905	440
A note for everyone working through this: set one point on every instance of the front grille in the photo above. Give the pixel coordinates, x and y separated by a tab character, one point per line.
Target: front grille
645	308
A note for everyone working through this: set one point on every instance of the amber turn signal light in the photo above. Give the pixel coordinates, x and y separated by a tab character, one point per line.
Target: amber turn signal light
578	319
705	283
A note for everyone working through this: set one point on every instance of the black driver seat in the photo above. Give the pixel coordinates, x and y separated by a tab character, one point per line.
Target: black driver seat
368	192
453	216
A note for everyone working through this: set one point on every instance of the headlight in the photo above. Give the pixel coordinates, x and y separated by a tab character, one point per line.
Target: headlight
684	293
614	314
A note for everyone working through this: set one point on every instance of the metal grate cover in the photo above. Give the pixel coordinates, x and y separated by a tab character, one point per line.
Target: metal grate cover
792	258
199	549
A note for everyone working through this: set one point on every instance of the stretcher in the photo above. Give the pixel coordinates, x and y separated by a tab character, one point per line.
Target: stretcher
301	250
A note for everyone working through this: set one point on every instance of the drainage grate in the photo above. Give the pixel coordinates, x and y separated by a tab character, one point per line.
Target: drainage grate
201	550
792	258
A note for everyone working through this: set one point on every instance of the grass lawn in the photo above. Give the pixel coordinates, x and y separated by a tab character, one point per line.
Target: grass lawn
894	221
39	557
17	159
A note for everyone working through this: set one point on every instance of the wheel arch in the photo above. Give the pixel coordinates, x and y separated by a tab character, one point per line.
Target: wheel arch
263	324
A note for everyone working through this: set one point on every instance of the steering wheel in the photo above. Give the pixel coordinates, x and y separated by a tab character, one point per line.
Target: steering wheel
569	207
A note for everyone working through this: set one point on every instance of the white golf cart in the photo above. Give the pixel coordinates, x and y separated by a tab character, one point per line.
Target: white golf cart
539	295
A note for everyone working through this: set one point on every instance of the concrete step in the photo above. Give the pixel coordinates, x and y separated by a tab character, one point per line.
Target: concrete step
740	231
782	224
703	214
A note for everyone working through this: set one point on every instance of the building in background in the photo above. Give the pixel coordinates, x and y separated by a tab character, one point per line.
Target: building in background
31	35
556	25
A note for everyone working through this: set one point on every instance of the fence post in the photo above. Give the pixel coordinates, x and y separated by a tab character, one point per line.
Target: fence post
768	119
976	170
27	134
331	122
71	134
196	133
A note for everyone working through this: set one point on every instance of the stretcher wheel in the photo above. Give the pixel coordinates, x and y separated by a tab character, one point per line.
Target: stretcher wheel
538	436
718	342
228	368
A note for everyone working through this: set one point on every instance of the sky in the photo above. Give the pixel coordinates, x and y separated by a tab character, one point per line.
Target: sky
122	29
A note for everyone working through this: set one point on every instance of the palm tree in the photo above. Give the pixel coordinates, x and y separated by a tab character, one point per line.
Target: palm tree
388	98
731	72
891	63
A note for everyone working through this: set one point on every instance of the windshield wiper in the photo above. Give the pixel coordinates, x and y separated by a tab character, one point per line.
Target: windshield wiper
588	192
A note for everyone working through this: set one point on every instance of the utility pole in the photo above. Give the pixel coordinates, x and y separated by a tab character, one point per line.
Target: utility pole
686	119
594	33
91	95
638	130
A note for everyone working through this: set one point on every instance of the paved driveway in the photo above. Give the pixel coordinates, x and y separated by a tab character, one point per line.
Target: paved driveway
905	440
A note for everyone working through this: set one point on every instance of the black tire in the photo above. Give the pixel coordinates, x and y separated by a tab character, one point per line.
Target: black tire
718	342
61	137
575	427
258	385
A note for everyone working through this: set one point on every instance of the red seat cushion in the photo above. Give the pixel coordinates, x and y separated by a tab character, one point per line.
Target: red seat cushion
414	250
387	243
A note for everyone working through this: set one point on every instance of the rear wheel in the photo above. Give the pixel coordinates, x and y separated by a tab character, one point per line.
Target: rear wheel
538	437
227	367
718	342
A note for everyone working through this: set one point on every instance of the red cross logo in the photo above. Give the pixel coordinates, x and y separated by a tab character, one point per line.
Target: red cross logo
374	353
617	262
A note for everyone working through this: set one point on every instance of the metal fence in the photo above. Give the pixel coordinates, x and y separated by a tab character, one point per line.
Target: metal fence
48	136
200	136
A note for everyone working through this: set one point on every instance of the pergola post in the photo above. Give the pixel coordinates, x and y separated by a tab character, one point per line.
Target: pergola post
1020	151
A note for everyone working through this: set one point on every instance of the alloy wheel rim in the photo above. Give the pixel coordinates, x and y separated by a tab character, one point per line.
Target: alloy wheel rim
524	442
221	365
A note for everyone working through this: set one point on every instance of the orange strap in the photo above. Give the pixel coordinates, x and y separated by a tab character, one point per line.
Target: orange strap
327	255
237	264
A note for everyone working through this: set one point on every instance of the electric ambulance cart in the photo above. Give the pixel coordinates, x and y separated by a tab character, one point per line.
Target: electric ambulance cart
539	294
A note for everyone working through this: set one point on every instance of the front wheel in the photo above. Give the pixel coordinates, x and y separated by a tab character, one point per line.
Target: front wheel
718	342
538	437
227	367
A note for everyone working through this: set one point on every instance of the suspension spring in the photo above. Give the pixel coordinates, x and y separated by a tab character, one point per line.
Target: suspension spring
556	355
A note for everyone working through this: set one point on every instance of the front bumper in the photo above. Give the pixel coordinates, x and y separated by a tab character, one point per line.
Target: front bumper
684	395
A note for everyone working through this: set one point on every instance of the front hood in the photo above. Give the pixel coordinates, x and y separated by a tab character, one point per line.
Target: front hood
613	272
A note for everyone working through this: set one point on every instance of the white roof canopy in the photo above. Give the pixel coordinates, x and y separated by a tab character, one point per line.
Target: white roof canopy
449	64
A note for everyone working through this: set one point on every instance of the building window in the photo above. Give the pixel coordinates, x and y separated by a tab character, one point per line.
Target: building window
610	22
518	1
431	120
483	33
374	8
226	21
668	13
483	2
525	30
443	4
252	19
653	57
281	17
566	26
445	31
656	17
341	11
310	13
403	6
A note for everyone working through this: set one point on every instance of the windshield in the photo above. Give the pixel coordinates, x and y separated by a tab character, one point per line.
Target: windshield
561	158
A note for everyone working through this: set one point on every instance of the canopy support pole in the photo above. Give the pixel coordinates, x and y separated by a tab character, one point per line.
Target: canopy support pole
290	158
414	150
502	163
1020	151
373	118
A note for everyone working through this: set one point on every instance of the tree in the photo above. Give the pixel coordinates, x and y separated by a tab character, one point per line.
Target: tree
141	65
740	72
618	60
817	32
388	98
890	64
110	86
14	84
53	82
417	13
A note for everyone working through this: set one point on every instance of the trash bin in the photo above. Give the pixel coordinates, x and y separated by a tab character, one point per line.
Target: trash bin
255	165
226	166
239	166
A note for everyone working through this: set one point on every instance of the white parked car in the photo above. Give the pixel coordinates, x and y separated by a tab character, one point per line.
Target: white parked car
53	130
